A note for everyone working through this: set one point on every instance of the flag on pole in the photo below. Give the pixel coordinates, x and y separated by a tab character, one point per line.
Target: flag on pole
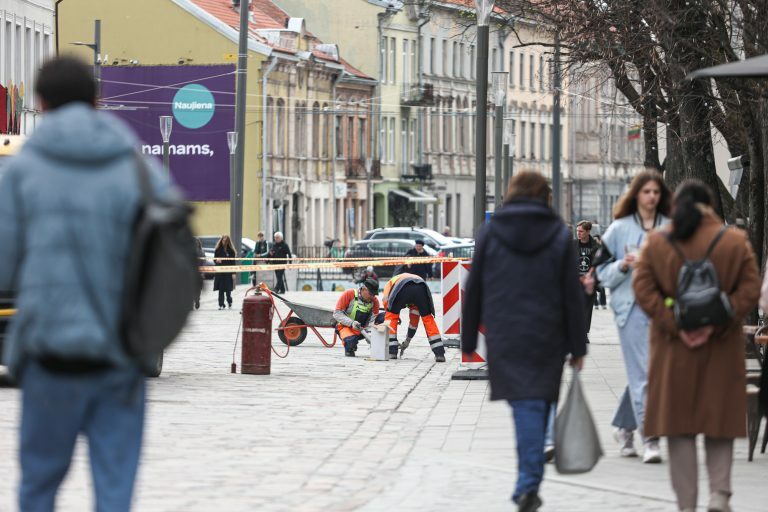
634	132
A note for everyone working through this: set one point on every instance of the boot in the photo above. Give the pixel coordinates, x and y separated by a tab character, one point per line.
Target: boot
718	502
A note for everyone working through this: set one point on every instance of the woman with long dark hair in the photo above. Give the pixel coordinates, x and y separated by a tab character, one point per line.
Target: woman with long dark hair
224	283
643	208
697	378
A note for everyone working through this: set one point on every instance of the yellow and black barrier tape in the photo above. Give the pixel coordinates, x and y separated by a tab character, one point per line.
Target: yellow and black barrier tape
336	263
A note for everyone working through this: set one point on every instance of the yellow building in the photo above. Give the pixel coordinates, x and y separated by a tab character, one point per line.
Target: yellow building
176	32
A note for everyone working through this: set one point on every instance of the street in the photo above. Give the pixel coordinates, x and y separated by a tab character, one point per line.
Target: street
330	433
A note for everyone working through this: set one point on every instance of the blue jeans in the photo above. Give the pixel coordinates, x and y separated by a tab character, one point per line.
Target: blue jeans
549	437
634	347
530	418
107	407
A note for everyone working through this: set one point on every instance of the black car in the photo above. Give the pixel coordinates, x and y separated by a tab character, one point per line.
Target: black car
384	248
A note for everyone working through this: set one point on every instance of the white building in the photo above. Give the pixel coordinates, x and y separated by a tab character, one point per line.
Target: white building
26	40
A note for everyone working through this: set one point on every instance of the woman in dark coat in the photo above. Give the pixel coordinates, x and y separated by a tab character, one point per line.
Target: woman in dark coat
224	283
524	289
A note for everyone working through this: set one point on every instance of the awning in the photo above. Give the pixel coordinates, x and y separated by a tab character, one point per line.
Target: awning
414	196
756	67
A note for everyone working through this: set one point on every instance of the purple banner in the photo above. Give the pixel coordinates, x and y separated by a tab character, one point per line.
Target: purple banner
200	99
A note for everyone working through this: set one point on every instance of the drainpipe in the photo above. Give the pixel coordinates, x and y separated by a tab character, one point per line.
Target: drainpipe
333	155
264	216
56	23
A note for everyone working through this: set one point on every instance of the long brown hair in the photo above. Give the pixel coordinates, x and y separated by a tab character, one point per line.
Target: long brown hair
227	243
627	204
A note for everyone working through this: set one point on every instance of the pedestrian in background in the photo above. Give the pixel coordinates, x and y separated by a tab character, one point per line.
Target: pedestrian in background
696	379
200	262
601	298
260	250
644	207
224	282
72	191
586	247
423	270
281	253
533	320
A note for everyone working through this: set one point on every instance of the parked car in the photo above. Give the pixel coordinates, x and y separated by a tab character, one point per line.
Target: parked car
381	248
431	238
463	251
209	244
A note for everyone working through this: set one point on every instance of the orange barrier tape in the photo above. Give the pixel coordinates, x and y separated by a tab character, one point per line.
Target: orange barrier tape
333	264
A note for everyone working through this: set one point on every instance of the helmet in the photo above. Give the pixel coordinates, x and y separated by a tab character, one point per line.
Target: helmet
372	285
369	268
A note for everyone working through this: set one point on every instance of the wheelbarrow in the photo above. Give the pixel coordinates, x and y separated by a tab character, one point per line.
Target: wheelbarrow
293	327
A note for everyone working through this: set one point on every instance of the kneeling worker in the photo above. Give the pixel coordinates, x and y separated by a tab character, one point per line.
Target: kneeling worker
410	291
354	311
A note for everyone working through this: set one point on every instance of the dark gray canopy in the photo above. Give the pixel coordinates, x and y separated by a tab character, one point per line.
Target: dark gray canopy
756	67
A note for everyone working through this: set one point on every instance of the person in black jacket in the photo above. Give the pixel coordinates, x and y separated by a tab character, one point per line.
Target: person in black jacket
281	253
224	283
524	289
423	270
586	247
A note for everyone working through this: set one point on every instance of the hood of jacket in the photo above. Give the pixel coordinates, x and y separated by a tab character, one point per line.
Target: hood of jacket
526	226
80	134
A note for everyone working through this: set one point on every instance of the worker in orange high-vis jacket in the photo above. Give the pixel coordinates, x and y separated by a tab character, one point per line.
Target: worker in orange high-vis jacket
410	291
355	310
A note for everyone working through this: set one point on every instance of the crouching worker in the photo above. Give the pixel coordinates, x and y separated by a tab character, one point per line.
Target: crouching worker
354	312
410	291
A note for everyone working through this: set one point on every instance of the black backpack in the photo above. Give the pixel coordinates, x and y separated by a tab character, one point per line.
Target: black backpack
162	277
699	301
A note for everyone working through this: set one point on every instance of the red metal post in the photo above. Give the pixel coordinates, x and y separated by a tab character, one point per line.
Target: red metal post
257	335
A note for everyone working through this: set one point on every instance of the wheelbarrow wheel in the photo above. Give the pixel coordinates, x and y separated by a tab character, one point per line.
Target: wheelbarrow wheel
293	331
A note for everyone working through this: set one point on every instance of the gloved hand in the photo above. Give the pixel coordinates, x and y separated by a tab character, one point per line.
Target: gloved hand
404	345
356	326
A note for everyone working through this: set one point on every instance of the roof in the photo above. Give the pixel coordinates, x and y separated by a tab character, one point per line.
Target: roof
266	16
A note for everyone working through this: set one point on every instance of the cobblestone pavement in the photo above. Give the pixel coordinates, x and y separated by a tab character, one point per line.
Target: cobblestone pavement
329	433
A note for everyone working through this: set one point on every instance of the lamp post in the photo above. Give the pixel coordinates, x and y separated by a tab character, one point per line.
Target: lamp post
483	9
96	47
499	81
166	125
509	141
232	144
240	105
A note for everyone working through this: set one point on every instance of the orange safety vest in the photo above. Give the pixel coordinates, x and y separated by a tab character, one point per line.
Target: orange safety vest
395	284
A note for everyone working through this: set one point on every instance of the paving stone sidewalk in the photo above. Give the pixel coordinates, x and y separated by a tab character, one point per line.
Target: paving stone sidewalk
329	433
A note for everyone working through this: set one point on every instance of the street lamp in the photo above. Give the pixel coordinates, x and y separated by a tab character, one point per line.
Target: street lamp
499	80
96	47
166	125
509	142
233	189
483	9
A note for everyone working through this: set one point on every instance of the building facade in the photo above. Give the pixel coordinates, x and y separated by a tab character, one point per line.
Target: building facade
26	40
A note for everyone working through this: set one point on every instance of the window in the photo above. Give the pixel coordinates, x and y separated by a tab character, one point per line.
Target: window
434	131
456	71
521	74
280	131
406	61
533	141
432	55
462	64
298	137
522	139
316	130
404	145
445	57
361	139
531	74
412	141
414	65
543	141
339	137
384	45
383	149
447	129
472	62
541	73
494	59
391	140
392	60
326	131
350	137
269	126
511	69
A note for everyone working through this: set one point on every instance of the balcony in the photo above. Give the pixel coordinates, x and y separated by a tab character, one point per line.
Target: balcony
417	95
355	169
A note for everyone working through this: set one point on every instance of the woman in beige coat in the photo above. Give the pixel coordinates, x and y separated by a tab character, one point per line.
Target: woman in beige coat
696	379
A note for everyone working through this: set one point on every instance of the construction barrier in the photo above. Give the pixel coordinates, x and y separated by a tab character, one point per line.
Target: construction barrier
314	263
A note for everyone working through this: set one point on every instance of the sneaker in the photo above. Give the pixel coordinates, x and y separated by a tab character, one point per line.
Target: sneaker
549	453
626	440
529	502
718	502
440	358
651	452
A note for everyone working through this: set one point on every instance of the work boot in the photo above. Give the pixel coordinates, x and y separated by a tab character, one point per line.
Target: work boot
349	352
439	358
393	356
529	502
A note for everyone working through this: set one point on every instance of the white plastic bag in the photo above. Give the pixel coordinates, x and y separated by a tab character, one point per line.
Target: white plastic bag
577	443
